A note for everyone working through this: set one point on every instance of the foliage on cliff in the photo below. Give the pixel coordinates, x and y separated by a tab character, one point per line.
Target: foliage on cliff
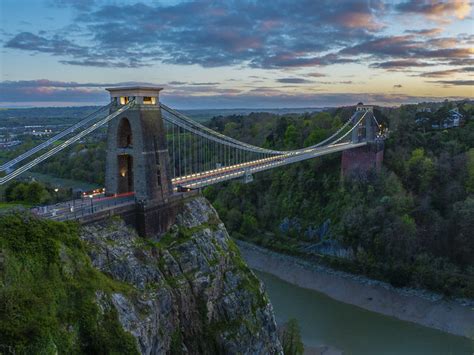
49	292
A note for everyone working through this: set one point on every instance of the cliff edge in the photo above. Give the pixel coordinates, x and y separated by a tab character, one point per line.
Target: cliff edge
194	293
101	288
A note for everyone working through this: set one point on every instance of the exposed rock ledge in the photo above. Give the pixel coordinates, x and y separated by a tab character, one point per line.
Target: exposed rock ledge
191	292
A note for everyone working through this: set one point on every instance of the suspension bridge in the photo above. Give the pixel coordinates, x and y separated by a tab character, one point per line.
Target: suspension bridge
155	152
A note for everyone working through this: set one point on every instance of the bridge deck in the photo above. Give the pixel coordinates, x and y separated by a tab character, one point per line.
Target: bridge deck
85	207
231	172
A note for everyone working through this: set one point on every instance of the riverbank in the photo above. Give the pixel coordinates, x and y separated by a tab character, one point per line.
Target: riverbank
375	296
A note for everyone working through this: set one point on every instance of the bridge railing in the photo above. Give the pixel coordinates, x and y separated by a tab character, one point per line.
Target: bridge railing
79	208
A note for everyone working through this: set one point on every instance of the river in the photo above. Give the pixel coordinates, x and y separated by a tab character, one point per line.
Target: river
353	330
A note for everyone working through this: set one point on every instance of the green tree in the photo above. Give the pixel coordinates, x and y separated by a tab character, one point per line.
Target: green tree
229	129
249	225
324	120
33	192
316	136
36	193
420	170
462	231
290	338
18	193
470	171
234	219
10	191
291	136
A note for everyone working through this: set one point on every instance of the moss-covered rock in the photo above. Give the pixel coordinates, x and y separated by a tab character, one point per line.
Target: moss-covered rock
194	294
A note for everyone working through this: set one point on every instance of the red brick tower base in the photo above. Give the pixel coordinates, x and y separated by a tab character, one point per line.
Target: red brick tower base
360	161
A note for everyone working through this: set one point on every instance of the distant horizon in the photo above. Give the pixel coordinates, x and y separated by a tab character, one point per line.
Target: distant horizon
69	105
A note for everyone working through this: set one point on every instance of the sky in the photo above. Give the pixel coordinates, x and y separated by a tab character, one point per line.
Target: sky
237	53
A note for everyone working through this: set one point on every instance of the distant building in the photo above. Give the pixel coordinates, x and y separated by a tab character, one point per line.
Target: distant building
422	120
361	107
454	119
8	142
424	109
456	116
40	132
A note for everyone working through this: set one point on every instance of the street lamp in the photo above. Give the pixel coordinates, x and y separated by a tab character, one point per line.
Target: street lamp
56	193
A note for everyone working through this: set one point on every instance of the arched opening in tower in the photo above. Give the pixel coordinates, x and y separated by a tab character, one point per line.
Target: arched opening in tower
125	171
124	137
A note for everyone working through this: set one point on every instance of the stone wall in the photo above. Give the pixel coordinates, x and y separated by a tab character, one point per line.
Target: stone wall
149	218
360	161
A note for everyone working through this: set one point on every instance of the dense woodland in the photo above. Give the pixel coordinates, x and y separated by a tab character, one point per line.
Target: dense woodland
411	224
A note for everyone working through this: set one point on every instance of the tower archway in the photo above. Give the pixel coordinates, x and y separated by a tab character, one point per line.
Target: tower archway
124	134
125	172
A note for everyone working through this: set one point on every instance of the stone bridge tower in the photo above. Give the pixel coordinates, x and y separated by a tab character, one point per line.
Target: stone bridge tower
367	128
137	157
360	161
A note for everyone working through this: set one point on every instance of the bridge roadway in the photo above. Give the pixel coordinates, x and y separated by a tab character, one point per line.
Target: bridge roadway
89	204
207	178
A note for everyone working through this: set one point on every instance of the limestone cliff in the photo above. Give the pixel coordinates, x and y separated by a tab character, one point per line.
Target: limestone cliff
191	292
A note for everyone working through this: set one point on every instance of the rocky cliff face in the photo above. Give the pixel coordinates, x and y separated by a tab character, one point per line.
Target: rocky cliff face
190	291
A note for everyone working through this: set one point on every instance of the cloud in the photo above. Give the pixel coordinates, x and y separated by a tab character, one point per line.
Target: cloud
281	34
281	100
426	32
316	75
205	84
437	10
130	63
455	83
55	45
448	72
56	91
461	61
293	81
59	46
177	83
399	64
289	60
405	51
81	5
277	34
45	92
